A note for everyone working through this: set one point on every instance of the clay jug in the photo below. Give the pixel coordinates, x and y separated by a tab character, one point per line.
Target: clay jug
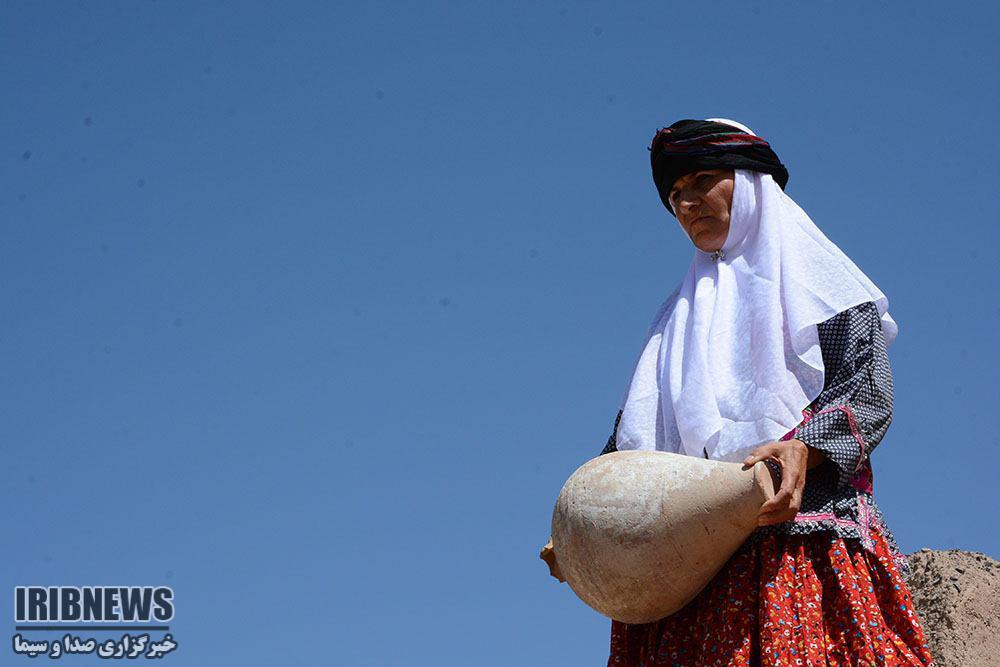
638	534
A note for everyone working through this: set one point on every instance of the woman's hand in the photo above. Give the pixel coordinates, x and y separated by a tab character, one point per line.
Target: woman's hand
794	457
549	556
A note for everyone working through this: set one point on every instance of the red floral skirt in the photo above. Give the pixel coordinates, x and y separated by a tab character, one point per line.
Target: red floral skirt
787	600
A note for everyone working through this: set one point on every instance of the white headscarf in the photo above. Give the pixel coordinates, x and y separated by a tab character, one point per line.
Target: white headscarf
733	354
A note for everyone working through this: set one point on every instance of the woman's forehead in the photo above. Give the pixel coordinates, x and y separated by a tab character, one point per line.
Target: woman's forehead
691	174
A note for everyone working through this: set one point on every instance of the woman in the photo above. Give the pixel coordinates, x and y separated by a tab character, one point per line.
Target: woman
772	348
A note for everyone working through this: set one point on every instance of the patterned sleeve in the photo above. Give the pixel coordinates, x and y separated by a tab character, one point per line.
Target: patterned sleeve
612	445
854	410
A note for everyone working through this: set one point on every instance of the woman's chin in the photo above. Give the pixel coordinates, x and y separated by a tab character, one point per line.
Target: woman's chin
707	245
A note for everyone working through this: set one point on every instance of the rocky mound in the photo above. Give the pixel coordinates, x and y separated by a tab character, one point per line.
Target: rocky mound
957	595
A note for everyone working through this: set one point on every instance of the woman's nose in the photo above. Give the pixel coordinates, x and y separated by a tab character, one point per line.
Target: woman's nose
685	204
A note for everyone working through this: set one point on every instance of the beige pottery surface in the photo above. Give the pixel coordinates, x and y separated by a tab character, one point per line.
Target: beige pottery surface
638	534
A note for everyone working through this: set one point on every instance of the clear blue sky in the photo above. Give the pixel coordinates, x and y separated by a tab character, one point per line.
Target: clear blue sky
309	309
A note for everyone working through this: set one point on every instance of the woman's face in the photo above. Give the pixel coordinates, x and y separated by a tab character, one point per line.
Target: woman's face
702	201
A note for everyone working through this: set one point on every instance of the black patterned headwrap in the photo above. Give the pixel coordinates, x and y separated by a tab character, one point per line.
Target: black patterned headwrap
693	145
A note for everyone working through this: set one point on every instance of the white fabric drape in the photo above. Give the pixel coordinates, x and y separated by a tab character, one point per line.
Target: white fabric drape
733	354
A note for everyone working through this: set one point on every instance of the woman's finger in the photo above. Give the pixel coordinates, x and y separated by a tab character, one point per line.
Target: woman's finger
796	503
774	517
798	472
779	502
789	477
767	520
793	481
784	495
761	453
